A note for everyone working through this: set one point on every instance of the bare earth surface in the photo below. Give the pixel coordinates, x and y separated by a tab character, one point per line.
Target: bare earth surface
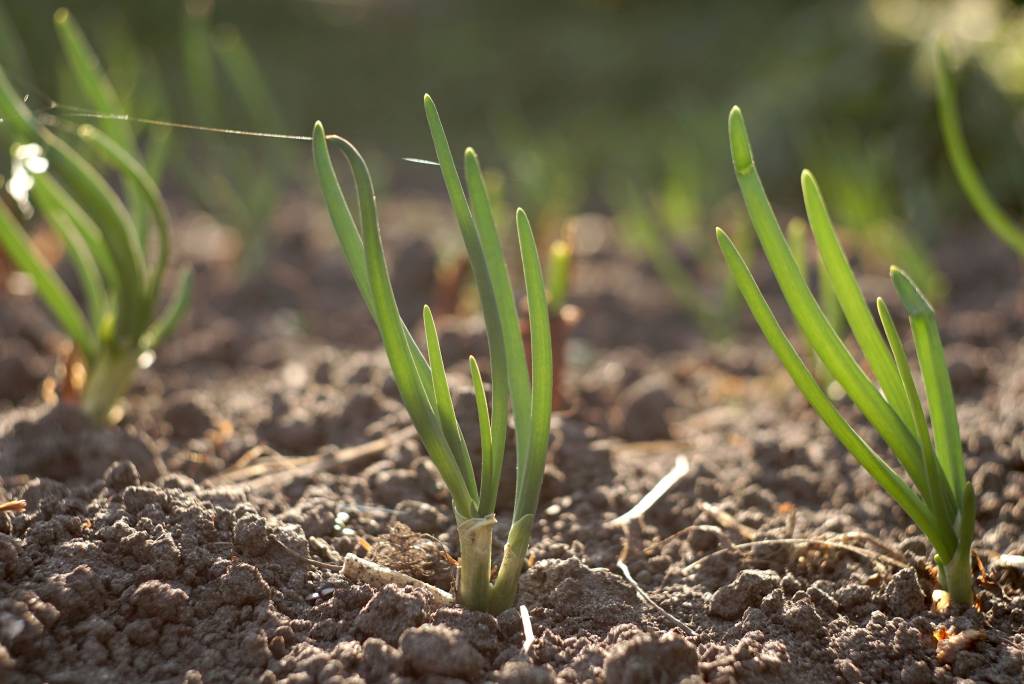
177	547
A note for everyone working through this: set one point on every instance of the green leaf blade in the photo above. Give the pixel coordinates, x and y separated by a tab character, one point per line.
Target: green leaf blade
807	312
349	234
132	169
851	299
91	79
445	407
906	497
489	476
937	384
937	493
964	166
176	307
508	353
84	264
18	245
542	367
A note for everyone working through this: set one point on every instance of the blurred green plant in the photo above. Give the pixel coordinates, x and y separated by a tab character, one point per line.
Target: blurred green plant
12	48
563	316
990	31
964	166
546	173
656	225
128	86
421	380
92	81
642	227
559	268
107	244
940	499
239	183
580	108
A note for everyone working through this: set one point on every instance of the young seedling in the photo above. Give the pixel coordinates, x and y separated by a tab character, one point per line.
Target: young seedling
85	81
561	253
967	174
642	224
421	379
939	498
239	184
562	315
106	246
96	87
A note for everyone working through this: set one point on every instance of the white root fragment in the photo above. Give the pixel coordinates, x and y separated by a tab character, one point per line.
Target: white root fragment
1009	560
528	635
365	571
941	601
728	521
646	598
678	472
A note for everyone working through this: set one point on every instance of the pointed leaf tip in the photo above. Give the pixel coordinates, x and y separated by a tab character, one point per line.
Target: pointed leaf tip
807	179
739	142
910	294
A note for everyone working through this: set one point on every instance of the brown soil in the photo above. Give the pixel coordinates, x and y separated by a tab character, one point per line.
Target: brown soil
171	548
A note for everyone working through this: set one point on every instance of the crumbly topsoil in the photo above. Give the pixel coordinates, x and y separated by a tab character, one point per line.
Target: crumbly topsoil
199	540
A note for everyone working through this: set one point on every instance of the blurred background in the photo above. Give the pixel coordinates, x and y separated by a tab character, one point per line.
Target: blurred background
612	107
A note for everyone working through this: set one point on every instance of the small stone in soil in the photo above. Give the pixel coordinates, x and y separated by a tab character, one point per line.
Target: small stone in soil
520	671
903	594
646	659
391	612
422	646
747	590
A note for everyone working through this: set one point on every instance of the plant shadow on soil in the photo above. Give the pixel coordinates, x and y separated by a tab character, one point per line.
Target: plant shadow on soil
170	549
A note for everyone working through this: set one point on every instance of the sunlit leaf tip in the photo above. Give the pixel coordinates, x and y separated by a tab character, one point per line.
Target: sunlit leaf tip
910	294
739	142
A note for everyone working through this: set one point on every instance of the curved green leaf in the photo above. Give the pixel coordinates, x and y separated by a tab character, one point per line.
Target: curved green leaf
907	498
51	289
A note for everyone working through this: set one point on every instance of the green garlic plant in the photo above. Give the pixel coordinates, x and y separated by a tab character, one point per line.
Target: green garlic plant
241	184
421	379
561	253
104	240
131	88
964	167
90	79
939	498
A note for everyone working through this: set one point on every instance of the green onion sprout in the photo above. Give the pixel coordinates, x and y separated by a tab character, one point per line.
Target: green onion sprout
939	498
560	257
421	378
104	239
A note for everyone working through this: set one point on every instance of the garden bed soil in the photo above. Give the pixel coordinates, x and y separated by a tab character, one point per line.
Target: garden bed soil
201	540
